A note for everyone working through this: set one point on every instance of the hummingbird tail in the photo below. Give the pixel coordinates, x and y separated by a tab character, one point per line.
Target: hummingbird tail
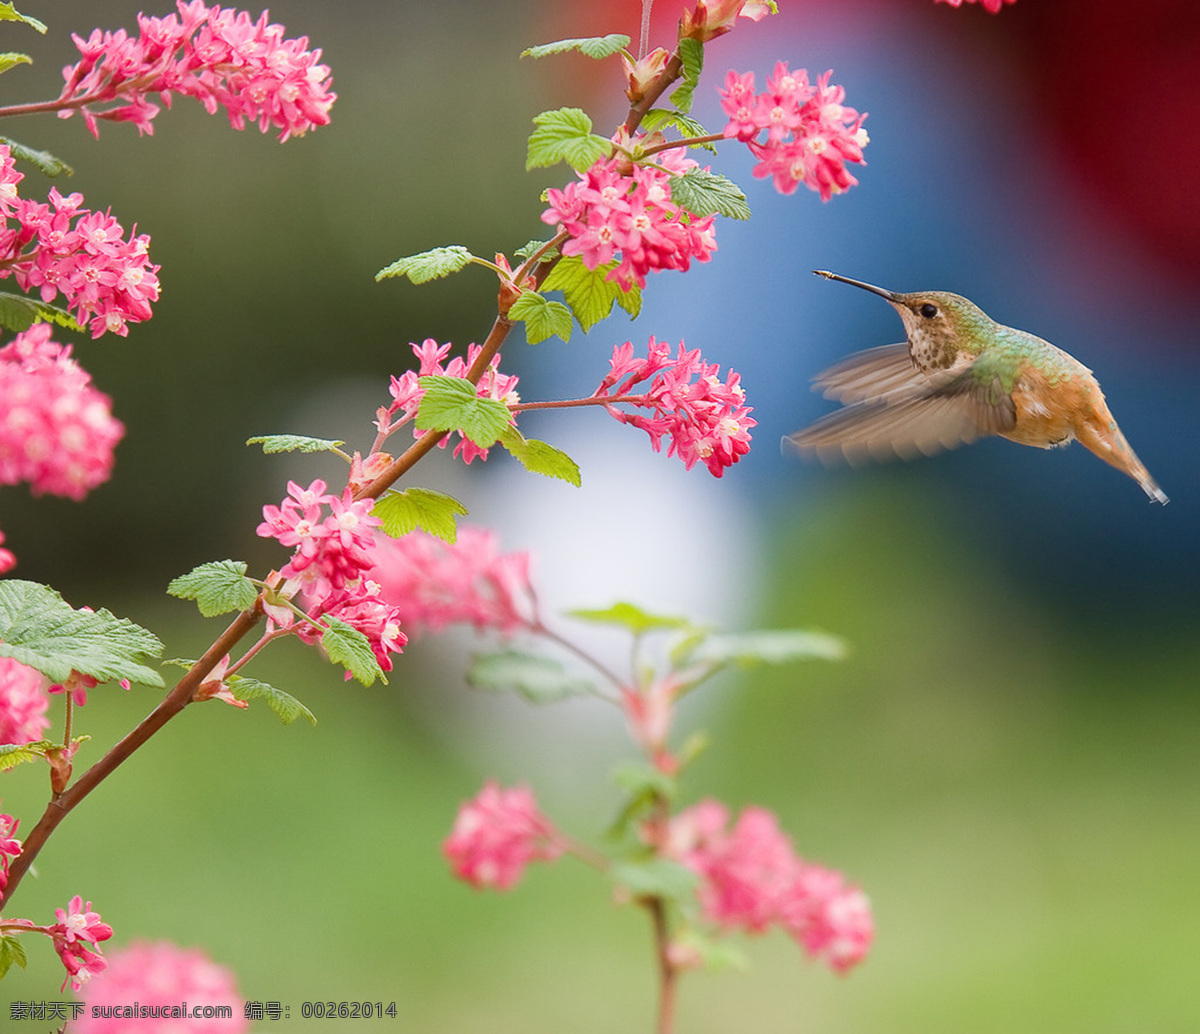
1110	445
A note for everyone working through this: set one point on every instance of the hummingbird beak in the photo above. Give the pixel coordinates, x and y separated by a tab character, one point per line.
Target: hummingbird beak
889	295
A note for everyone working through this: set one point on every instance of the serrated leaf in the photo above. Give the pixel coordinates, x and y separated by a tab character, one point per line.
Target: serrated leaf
348	647
11	950
540	457
656	877
429	265
542	318
451	404
589	293
273	443
39	628
286	706
632	617
565	134
657	118
706	193
13	754
8	13
217	587
591	46
527	250
772	646
539	679
19	313
691	54
433	512
45	162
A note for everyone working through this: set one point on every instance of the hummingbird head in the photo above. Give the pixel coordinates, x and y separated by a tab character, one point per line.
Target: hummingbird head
939	325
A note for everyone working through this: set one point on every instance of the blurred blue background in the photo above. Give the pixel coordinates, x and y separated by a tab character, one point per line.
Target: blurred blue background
1007	761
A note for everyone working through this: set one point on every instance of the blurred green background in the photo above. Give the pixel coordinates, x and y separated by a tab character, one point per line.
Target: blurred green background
1007	760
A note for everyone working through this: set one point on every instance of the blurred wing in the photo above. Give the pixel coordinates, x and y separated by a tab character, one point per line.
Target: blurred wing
870	375
910	422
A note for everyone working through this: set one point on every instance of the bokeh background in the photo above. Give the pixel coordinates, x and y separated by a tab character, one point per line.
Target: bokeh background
1007	761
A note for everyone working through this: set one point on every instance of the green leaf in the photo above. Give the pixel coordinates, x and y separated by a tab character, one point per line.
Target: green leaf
217	587
632	617
657	118
272	443
638	779
781	646
286	706
691	53
38	628
348	647
542	318
526	251
8	13
404	512
539	679
705	193
11	950
17	312
43	161
429	265
591	46
451	404
13	754
540	457
656	877
589	293
12	59
565	134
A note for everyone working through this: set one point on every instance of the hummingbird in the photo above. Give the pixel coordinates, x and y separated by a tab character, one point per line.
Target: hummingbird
960	376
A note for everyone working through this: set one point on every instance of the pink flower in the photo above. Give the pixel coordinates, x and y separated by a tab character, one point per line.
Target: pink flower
614	210
23	703
10	846
56	430
992	6
705	418
221	57
712	18
496	835
810	135
160	978
8	559
828	917
433	583
362	607
77	927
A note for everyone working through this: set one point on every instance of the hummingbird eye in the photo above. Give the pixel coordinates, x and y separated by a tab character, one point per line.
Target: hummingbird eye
928	310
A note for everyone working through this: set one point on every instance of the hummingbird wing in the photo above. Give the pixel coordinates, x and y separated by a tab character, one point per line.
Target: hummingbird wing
870	374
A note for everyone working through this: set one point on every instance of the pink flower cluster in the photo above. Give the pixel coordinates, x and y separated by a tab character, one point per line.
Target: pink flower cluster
77	927
57	432
332	556
7	559
706	418
433	583
496	835
219	56
407	393
617	210
10	846
107	281
800	132
992	6
23	704
158	980
751	879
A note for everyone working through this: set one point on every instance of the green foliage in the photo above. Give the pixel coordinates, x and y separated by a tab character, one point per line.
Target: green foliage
451	404
632	617
434	512
528	249
19	313
218	587
38	628
691	53
539	679
348	647
13	754
43	161
542	318
707	193
12	59
8	13
286	706
655	877
589	293
272	443
540	457
773	646
429	265
11	950
657	118
591	46
565	134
